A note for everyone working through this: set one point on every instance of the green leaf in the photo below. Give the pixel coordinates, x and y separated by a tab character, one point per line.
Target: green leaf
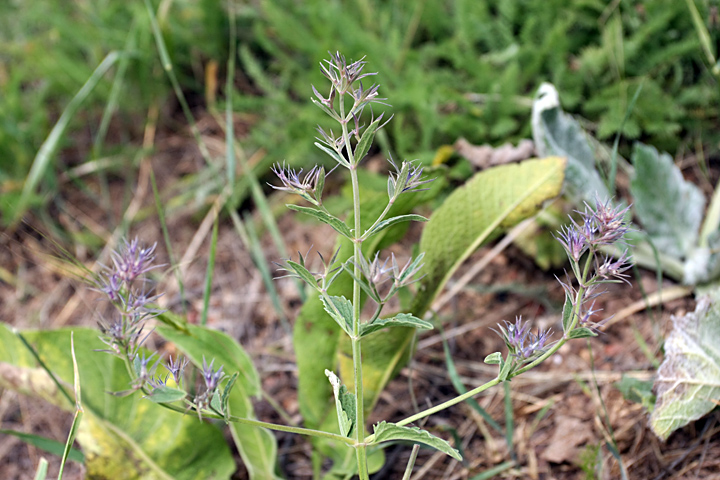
303	273
491	202
399	320
41	472
46	444
337	224
335	155
688	380
567	312
363	146
386	432
494	359
638	391
392	221
257	446
341	310
581	332
317	337
506	367
669	208
120	437
349	268
166	395
556	133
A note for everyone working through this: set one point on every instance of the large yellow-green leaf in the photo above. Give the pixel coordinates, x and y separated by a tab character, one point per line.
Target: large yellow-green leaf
257	446
688	381
126	437
489	203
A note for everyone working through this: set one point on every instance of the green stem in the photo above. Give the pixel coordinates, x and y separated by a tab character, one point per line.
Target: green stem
442	406
575	317
379	219
360	449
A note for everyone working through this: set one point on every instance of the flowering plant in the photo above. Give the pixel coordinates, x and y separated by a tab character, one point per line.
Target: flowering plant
125	287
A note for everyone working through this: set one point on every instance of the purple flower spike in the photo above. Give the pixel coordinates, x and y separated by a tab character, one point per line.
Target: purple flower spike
177	367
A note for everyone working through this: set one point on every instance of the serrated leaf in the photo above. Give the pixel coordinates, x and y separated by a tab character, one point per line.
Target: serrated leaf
494	358
392	221
166	394
567	312
399	320
120	437
257	446
489	203
556	133
341	310
581	332
669	208
688	380
337	224
385	432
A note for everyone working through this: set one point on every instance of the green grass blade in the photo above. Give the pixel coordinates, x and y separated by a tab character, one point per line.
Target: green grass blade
229	124
78	410
210	271
168	67
41	163
46	444
460	388
492	472
509	419
703	35
166	236
614	158
41	470
249	238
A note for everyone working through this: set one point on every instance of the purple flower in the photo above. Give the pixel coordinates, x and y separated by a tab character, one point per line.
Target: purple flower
176	368
212	378
609	269
574	243
407	178
131	261
309	187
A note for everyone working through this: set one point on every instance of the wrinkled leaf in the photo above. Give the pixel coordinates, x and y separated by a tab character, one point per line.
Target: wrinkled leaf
492	201
688	381
557	133
385	432
399	320
669	208
257	446
120	437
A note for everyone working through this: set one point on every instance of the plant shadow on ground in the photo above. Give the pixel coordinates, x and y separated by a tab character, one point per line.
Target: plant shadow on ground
559	427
